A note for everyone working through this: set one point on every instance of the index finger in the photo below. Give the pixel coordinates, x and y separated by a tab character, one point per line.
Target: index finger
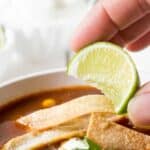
106	18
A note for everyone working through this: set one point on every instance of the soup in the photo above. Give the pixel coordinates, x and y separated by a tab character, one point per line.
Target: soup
66	117
26	105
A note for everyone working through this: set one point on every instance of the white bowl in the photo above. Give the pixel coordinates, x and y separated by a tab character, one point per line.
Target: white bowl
39	82
27	85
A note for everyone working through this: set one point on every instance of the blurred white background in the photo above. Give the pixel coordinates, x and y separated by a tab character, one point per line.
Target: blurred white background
35	36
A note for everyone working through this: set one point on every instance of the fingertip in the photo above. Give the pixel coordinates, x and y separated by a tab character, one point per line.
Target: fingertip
78	40
74	44
139	110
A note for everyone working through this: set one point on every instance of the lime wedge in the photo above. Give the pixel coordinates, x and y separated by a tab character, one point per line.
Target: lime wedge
109	68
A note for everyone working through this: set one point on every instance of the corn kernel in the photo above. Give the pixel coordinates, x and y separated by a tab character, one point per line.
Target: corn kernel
49	102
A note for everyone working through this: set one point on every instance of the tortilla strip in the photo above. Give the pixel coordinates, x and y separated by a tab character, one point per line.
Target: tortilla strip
110	135
34	140
76	124
38	139
51	117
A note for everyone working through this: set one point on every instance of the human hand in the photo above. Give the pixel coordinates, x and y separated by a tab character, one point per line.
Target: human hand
125	22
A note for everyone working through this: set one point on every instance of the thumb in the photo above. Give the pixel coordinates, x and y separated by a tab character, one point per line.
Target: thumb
139	107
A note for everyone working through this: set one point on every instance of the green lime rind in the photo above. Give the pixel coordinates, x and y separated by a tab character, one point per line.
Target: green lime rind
109	68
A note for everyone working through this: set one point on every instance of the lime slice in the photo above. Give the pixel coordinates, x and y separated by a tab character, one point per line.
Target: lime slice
109	68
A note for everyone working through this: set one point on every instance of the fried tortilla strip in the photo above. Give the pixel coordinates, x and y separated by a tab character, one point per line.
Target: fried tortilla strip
51	117
38	139
34	140
110	135
77	123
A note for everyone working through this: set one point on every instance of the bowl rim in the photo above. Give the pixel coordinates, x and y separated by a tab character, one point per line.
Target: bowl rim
32	75
42	73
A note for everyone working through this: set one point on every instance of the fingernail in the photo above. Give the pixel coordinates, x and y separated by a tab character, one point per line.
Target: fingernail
139	110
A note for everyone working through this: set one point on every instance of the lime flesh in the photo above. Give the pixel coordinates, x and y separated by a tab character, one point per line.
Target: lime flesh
109	68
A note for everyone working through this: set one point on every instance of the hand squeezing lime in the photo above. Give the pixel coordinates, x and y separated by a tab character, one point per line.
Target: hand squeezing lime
109	68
